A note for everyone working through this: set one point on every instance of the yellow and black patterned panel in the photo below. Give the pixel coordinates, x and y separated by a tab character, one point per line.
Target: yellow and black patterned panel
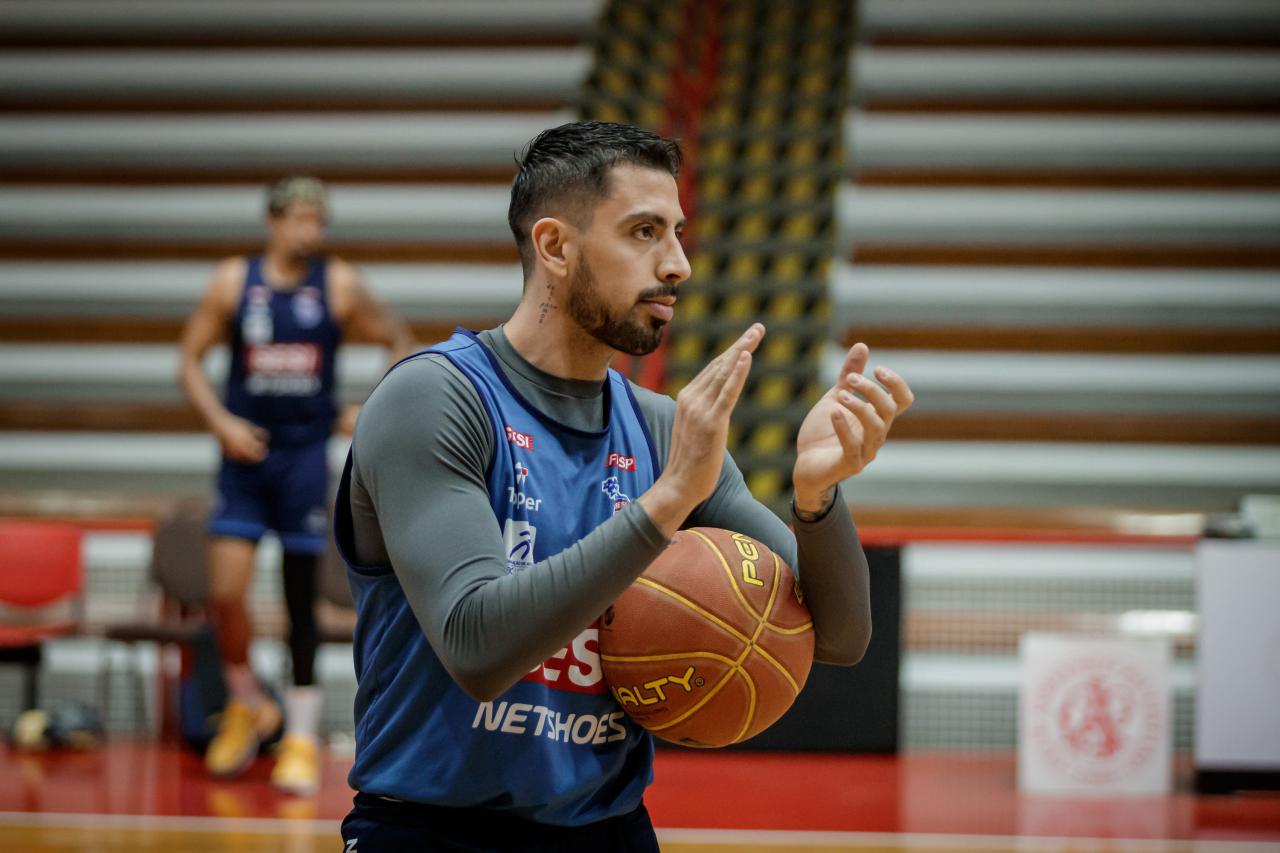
770	156
634	48
768	84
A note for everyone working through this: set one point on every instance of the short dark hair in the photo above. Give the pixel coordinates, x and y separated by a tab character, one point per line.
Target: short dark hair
291	188
567	167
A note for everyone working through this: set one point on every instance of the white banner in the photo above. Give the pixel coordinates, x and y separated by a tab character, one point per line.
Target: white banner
1094	715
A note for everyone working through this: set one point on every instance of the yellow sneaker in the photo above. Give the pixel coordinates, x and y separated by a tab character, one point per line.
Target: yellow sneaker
297	769
235	745
267	720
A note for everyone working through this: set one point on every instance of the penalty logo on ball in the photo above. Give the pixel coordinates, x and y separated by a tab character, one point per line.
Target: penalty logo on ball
655	691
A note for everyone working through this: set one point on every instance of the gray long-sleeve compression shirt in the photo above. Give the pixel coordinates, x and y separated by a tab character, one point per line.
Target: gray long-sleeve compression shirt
420	504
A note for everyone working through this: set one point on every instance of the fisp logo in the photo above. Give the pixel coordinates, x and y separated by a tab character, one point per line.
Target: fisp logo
519	537
575	668
613	491
521	472
519	439
622	463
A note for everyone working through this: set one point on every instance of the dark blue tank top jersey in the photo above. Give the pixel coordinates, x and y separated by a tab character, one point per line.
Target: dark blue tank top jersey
284	347
555	748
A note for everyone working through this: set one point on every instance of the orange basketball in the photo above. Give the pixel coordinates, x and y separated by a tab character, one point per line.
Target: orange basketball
712	644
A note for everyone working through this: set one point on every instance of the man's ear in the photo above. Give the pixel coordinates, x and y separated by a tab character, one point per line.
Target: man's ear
550	236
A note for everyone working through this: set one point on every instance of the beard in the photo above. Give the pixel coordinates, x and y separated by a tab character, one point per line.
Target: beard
619	331
303	254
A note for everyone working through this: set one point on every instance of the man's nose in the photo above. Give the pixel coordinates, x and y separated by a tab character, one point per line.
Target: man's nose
675	266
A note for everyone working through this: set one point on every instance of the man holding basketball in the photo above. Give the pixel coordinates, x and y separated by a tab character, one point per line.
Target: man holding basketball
505	487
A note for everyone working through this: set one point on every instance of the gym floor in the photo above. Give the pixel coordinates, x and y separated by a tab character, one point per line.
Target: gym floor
145	796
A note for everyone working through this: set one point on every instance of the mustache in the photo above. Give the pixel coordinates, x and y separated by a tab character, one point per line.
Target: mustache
659	292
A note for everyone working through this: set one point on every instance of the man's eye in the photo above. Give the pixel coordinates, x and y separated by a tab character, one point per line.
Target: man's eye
645	231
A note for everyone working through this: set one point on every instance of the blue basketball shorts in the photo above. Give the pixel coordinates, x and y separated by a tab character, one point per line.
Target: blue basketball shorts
378	826
287	492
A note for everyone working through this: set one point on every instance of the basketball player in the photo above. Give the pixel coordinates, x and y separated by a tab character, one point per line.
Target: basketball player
505	487
282	314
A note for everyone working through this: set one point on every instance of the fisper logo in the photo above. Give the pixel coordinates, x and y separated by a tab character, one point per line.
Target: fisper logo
623	463
519	439
521	472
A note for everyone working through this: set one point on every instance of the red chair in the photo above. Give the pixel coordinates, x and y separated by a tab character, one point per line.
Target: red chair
41	581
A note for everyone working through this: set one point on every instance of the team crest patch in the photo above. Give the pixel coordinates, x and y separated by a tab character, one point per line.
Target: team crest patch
307	310
613	491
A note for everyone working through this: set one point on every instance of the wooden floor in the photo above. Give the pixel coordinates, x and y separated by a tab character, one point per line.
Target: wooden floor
147	797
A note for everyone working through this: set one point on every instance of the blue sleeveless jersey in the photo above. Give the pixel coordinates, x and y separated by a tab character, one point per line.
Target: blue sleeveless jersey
555	748
284	345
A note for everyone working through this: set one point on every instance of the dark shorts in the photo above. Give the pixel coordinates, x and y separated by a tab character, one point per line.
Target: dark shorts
376	825
286	492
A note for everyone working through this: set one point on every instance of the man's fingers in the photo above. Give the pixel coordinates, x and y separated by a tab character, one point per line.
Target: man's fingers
850	443
718	370
898	387
874	428
877	396
746	342
734	383
855	360
750	338
248	455
732	360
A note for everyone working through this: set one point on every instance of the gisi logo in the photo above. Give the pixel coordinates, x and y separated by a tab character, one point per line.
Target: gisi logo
519	439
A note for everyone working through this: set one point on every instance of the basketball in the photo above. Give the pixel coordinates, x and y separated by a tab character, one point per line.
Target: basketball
712	644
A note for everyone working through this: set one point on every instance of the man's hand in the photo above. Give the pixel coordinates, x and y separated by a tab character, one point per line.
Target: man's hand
842	433
242	440
699	434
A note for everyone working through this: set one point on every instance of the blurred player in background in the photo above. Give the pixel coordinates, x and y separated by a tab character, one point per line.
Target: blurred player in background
505	487
282	314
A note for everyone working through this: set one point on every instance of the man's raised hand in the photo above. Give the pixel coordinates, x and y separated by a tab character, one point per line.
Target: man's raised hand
845	430
699	434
